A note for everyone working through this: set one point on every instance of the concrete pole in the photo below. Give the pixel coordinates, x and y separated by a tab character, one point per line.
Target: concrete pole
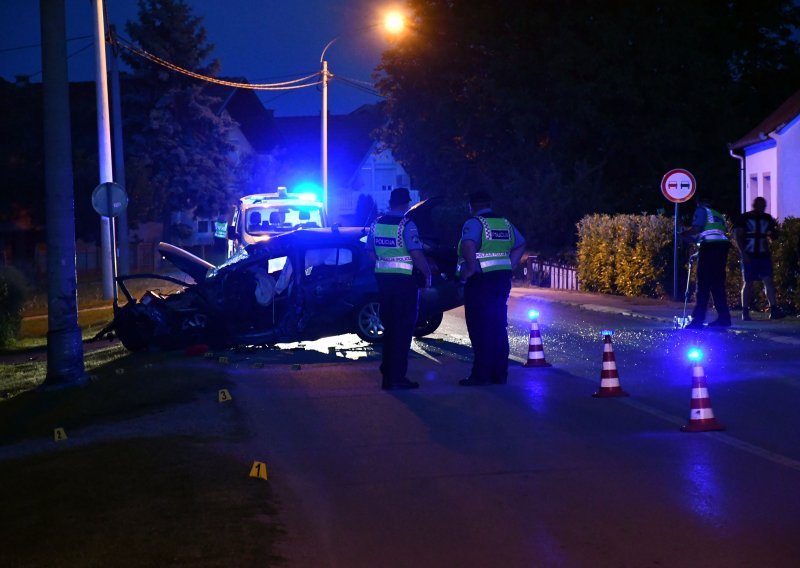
107	245
64	342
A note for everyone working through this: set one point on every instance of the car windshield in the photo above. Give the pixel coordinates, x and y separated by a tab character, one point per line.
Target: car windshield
264	219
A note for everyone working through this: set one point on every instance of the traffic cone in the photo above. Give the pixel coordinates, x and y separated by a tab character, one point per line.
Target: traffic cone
701	416
609	377
535	349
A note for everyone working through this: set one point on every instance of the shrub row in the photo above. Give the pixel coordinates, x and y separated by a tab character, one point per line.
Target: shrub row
624	254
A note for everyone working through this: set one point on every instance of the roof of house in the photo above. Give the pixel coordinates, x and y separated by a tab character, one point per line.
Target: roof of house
785	113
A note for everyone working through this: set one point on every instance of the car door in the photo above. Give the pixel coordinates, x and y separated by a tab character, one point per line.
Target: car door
327	288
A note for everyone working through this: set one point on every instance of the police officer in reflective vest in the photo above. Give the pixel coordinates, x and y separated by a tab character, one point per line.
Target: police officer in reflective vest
397	249
490	248
708	227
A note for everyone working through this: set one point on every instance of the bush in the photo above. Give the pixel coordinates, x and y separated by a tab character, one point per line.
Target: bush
13	293
624	254
786	264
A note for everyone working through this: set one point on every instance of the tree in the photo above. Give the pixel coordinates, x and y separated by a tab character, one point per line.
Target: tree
566	108
181	159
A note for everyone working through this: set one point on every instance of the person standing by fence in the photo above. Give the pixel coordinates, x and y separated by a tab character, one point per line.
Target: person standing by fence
490	248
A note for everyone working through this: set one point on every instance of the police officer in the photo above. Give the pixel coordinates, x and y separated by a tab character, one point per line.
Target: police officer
490	248
396	247
708	227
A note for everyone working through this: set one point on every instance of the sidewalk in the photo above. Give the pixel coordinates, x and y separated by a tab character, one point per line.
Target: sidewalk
783	330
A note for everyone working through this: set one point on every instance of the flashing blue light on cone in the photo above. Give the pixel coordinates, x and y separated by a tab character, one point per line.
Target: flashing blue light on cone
694	355
535	348
701	415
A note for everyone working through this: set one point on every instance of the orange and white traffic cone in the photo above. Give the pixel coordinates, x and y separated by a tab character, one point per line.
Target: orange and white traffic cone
701	416
609	376
535	349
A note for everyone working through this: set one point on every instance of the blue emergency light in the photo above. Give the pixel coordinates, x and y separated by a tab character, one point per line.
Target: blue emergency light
307	191
695	355
606	332
533	314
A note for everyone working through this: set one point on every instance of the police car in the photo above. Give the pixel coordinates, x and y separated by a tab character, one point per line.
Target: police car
258	217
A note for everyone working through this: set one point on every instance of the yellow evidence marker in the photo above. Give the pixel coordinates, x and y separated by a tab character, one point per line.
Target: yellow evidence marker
59	434
259	469
224	395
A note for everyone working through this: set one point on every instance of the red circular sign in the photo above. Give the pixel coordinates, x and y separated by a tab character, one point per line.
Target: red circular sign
678	185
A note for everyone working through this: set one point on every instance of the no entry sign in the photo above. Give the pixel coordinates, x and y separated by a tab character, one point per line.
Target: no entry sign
678	185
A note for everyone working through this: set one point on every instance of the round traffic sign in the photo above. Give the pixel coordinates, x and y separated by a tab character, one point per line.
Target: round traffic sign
678	185
109	199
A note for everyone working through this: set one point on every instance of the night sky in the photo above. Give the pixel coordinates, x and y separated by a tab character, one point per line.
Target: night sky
263	41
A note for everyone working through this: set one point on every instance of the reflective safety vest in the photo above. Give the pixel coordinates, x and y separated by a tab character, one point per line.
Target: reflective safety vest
393	256
714	228
221	229
497	240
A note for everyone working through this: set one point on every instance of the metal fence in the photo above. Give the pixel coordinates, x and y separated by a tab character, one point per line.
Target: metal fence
551	274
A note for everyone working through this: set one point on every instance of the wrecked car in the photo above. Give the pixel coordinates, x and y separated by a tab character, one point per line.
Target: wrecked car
297	286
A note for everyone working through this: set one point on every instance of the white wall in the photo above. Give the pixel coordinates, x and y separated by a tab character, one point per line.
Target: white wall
789	163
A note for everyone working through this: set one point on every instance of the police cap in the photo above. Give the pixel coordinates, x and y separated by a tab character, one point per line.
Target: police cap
399	196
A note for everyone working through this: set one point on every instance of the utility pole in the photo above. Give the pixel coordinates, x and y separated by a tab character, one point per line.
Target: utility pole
107	244
64	341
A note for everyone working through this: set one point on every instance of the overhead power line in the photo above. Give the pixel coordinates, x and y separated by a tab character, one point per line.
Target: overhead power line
301	83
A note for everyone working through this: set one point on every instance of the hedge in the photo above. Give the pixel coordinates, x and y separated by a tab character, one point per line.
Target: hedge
624	254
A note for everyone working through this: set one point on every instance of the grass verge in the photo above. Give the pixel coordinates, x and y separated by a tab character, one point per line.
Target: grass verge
149	475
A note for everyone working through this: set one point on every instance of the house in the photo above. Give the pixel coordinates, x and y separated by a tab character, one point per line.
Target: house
769	157
359	171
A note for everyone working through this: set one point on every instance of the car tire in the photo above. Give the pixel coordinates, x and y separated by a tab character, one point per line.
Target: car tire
367	322
428	325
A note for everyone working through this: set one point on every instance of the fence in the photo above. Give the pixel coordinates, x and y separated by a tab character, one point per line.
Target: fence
551	274
143	258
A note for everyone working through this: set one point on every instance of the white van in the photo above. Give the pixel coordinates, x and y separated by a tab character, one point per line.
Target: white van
258	217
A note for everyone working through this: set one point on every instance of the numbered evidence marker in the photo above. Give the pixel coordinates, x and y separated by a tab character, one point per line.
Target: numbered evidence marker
224	395
259	469
59	434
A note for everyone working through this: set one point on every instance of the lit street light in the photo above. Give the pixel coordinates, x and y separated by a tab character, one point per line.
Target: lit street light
394	23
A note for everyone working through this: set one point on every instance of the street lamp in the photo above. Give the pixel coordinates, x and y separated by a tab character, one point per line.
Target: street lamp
394	23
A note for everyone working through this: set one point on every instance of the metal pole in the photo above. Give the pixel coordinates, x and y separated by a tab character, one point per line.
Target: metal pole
104	147
325	136
675	258
124	264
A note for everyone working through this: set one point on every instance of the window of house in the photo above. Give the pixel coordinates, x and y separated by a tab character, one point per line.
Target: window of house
766	188
753	187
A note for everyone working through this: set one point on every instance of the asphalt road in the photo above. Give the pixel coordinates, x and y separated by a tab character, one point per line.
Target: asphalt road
536	472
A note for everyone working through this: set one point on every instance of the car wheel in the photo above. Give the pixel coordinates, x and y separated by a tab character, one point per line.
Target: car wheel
368	320
428	325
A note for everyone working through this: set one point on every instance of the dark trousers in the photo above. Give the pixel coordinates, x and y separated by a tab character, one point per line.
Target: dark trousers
485	308
399	298
711	267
